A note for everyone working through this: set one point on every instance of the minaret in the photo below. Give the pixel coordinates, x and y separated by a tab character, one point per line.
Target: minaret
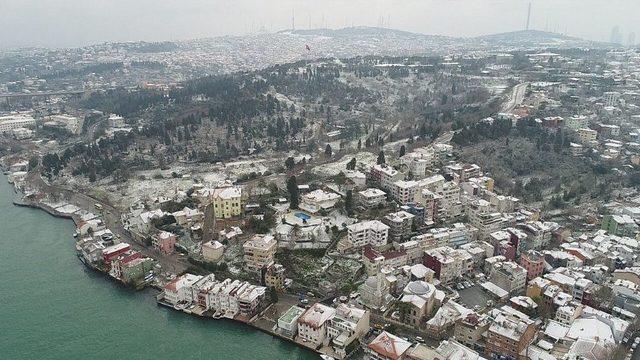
528	16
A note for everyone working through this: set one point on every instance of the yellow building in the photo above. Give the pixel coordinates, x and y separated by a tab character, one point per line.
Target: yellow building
227	202
536	287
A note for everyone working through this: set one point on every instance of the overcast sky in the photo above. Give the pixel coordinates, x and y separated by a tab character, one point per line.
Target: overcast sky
66	23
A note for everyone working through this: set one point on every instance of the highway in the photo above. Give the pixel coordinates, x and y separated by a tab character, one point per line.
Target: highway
516	97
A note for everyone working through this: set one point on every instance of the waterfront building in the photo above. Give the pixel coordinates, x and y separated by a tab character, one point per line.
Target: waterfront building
130	269
288	322
312	325
346	326
90	250
112	252
179	290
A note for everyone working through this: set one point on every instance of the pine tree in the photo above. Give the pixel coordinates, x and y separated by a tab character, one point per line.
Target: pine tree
294	195
351	165
348	202
290	163
381	159
327	151
403	151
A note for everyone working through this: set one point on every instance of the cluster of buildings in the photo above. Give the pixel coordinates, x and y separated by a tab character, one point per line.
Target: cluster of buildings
204	295
100	249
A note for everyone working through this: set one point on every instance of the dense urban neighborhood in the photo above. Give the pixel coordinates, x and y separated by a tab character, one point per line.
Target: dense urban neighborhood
424	198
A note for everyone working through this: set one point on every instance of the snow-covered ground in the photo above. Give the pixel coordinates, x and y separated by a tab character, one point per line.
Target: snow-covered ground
363	160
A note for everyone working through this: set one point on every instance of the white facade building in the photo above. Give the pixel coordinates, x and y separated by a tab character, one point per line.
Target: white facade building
371	232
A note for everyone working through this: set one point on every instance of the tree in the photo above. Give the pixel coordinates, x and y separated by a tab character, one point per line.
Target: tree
403	151
290	163
348	202
294	195
359	144
34	161
51	165
351	165
381	159
327	151
404	310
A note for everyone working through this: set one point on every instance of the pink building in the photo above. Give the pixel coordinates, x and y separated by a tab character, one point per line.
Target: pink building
165	242
533	262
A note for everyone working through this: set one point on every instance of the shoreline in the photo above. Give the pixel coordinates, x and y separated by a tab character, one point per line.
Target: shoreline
20	202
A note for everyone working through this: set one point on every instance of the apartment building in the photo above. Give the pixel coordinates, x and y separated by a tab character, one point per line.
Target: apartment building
372	232
260	251
346	326
313	324
385	175
509	276
587	136
400	225
11	122
510	333
463	172
371	198
374	260
483	217
469	330
533	262
448	263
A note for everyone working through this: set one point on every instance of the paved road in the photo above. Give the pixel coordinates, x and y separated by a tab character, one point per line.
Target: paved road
516	97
